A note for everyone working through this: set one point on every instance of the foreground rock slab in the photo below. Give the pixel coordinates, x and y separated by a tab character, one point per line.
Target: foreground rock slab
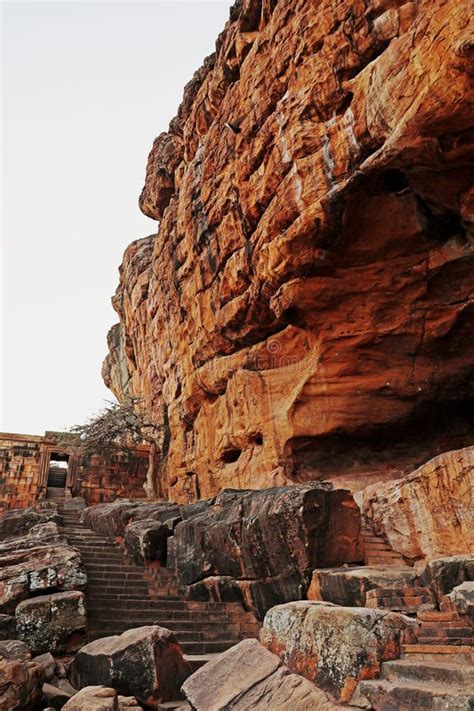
100	698
260	547
52	623
335	646
21	679
248	676
145	662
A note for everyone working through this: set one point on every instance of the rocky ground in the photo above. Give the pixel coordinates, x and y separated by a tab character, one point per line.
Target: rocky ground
131	605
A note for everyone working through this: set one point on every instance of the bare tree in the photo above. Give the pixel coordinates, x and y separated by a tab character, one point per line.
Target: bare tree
119	427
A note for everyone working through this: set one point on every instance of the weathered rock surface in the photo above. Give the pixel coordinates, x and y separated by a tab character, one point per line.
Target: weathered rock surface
19	522
262	546
145	662
444	574
333	646
100	698
111	519
54	696
20	678
147	540
349	586
461	599
305	311
429	513
52	623
38	562
248	676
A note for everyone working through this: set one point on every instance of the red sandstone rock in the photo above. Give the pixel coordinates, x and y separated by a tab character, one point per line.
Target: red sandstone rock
261	547
32	565
100	698
333	646
305	311
429	513
349	586
146	662
20	678
248	676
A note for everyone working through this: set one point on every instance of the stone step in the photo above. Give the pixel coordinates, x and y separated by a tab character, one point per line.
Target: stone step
179	705
437	649
195	648
427	634
450	674
196	661
164	603
186	625
176	614
183	636
435	616
414	696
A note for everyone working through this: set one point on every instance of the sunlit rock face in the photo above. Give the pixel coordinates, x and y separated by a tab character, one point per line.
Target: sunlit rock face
305	310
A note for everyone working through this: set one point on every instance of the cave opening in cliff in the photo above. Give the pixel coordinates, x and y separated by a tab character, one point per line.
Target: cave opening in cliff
386	452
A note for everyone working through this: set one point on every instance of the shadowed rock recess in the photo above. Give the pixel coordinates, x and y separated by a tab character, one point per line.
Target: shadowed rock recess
305	309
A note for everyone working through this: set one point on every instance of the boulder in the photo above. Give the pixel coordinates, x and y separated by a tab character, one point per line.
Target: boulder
147	540
444	574
248	676
101	698
93	698
349	586
262	546
430	512
54	696
20	678
7	627
145	662
33	565
461	599
111	519
48	663
335	646
55	623
18	522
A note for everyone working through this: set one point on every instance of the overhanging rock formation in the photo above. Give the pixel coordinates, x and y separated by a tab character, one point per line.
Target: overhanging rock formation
305	310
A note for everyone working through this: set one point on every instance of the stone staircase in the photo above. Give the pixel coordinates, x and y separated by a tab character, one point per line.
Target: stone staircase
377	551
55	493
407	685
119	597
437	672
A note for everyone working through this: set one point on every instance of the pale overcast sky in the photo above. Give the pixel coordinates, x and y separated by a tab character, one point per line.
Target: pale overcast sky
86	87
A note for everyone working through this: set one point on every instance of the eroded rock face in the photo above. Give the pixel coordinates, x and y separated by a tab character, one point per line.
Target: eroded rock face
145	662
305	311
335	646
33	564
147	540
349	586
429	513
261	547
20	678
444	574
248	676
111	519
52	623
19	522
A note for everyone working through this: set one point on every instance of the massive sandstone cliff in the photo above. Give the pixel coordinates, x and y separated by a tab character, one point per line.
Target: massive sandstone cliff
305	309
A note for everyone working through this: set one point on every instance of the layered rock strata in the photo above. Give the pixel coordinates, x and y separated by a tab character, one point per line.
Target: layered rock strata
305	310
430	513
